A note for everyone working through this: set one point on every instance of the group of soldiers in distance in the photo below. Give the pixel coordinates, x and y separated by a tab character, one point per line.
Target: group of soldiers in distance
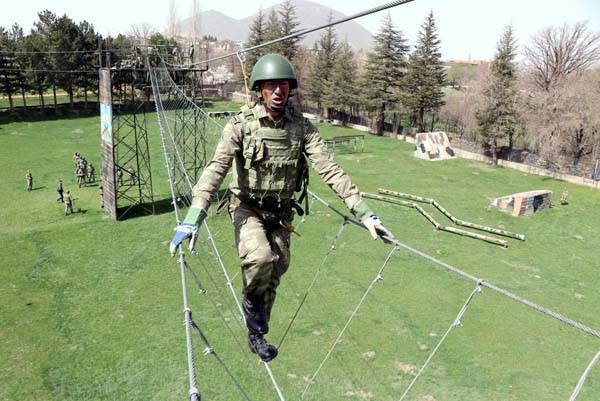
83	172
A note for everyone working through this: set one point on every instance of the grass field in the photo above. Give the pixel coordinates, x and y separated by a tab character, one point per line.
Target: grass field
92	310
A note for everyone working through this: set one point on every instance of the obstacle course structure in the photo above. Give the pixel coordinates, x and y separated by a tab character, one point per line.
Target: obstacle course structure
394	199
433	146
524	203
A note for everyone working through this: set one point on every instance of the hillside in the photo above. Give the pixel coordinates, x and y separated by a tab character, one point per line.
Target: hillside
308	13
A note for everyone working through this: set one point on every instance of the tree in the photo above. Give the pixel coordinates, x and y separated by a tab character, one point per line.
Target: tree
556	53
384	71
426	77
563	122
36	60
256	36
340	91
272	32
172	21
320	69
499	116
288	22
12	78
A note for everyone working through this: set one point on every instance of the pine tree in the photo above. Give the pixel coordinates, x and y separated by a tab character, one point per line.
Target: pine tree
383	72
498	118
322	64
255	37
288	23
273	31
426	78
340	91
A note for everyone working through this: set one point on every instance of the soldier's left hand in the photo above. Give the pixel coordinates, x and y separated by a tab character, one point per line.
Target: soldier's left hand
377	229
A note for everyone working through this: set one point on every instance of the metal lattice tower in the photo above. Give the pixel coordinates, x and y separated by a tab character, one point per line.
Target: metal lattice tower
132	167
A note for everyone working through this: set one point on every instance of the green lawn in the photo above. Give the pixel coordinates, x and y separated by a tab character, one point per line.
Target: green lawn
92	309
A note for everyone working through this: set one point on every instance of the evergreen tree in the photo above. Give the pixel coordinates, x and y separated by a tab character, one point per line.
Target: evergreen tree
319	73
36	60
288	23
498	118
340	91
12	78
255	37
273	31
384	72
426	78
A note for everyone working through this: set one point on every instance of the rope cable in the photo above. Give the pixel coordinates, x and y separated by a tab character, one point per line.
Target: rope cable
210	350
377	278
546	311
456	322
584	376
313	281
304	32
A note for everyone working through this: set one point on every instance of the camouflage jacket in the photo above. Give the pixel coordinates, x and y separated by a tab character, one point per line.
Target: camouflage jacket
266	158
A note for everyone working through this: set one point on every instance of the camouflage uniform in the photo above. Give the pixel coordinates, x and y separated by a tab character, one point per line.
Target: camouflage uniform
267	158
68	204
29	179
60	190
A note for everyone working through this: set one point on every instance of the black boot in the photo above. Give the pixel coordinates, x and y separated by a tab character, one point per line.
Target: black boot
256	319
261	347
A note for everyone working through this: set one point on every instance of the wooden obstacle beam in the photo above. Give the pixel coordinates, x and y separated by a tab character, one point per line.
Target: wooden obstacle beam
437	225
434	203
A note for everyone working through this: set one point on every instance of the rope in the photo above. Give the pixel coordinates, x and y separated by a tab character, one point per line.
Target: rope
313	281
532	305
584	376
210	350
222	265
454	324
377	278
242	59
304	32
193	392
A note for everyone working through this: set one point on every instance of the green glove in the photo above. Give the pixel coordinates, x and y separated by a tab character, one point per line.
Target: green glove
361	210
188	229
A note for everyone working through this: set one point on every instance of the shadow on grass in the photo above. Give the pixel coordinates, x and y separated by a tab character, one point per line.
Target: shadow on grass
161	206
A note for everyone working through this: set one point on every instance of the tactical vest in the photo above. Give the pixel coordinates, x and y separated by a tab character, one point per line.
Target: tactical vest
272	162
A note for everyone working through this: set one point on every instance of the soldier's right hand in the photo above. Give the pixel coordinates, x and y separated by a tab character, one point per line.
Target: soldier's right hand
188	229
183	231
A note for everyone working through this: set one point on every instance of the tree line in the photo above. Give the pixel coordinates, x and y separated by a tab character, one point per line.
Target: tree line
60	54
546	103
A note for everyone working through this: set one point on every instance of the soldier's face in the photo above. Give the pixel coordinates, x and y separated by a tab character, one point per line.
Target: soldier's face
275	93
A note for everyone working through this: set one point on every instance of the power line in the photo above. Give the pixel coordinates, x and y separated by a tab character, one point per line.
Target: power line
307	31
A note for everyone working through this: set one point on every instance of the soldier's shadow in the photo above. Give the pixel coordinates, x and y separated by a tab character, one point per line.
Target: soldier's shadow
36	188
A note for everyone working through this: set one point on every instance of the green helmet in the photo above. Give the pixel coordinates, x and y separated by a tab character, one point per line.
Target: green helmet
272	66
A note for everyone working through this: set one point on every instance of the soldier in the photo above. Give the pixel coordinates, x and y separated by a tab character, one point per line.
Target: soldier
91	174
268	144
101	193
68	203
29	179
132	176
60	190
80	176
119	176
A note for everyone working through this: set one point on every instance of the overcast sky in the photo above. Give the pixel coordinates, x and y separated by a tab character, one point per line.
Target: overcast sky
467	28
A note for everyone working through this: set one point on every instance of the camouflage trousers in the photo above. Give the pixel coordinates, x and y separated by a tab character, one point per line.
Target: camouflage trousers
264	250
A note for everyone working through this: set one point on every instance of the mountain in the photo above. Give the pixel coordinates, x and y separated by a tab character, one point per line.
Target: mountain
308	13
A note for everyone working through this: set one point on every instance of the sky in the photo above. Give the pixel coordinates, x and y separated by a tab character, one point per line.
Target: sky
467	28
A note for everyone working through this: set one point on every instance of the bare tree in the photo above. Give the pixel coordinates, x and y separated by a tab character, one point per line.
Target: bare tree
141	32
195	32
172	21
563	121
557	52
